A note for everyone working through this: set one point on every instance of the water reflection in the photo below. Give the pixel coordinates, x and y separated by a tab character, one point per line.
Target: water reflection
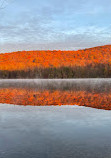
84	92
54	132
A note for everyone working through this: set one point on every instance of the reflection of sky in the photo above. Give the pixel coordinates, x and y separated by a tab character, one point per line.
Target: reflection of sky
64	131
54	24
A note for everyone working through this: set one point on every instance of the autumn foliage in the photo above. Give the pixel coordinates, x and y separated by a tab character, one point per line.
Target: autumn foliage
29	60
19	96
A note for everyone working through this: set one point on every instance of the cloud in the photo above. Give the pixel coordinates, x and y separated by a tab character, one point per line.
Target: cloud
55	24
77	39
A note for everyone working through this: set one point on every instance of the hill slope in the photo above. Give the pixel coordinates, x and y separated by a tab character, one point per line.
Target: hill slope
92	62
31	59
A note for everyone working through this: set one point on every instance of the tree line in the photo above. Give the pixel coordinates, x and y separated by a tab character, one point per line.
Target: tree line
90	71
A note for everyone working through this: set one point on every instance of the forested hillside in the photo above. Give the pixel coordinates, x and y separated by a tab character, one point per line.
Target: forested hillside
92	62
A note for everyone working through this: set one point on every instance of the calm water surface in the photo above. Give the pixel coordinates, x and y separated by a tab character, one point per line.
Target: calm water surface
55	131
94	93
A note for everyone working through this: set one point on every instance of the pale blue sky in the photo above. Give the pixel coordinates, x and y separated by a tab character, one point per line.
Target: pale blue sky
54	24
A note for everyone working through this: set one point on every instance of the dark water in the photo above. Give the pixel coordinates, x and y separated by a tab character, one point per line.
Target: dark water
55	131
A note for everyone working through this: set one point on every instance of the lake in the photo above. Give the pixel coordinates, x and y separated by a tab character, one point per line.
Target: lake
94	93
31	126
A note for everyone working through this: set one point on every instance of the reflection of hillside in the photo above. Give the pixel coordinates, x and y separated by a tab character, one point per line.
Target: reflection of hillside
55	97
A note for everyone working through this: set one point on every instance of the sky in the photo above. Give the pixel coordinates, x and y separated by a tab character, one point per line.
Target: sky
54	24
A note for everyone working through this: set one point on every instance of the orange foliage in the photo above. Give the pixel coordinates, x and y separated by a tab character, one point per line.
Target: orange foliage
30	59
48	97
